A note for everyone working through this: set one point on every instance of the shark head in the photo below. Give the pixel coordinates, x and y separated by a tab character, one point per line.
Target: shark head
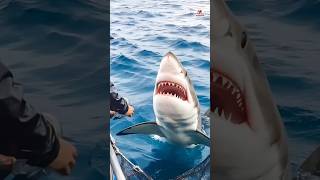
249	134
174	96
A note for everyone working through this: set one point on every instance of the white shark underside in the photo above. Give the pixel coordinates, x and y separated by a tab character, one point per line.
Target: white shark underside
176	107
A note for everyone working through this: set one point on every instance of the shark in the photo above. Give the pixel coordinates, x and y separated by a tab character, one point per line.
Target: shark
176	107
250	140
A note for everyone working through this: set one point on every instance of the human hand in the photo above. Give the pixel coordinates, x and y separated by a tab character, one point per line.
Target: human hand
66	158
7	162
130	111
112	113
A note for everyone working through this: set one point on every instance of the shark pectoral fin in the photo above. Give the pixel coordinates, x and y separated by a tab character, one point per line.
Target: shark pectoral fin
198	137
208	112
143	128
312	164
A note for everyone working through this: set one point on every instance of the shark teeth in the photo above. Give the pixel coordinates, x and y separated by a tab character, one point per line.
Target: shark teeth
172	89
228	100
233	88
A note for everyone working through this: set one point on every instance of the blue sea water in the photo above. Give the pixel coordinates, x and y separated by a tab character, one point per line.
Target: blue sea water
141	33
287	38
56	49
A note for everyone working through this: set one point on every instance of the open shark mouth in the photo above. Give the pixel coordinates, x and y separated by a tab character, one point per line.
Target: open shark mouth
227	99
172	89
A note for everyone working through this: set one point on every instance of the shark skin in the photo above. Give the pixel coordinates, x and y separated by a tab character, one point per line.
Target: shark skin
175	106
250	142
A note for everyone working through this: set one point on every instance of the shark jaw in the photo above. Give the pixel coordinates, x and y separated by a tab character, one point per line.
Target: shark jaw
228	99
170	88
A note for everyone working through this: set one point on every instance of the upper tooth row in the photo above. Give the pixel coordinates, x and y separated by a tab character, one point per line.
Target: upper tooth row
170	84
227	82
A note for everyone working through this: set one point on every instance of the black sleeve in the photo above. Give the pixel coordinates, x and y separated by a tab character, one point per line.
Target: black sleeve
117	103
25	128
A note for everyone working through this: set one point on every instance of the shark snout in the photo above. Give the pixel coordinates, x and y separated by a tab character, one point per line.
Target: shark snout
170	64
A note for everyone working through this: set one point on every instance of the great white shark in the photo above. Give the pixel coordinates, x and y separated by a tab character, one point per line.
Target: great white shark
250	141
175	106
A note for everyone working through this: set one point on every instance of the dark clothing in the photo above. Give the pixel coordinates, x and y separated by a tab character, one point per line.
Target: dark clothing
117	103
24	132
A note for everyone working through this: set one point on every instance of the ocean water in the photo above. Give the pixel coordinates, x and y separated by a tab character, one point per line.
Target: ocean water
287	38
141	33
57	50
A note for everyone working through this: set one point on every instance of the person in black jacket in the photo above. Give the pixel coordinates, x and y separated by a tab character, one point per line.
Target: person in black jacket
28	134
119	104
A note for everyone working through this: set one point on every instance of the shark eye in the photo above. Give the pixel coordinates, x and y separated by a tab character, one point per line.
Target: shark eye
183	72
244	39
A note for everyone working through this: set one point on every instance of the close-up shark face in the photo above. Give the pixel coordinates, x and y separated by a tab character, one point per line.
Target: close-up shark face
172	93
249	134
235	71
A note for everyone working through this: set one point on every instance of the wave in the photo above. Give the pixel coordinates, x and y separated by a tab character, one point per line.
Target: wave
193	29
71	91
183	44
301	122
307	10
144	53
199	63
296	10
123	42
60	42
122	59
285	83
147	14
160	38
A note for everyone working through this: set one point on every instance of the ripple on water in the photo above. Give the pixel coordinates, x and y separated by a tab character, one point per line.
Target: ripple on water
184	44
147	53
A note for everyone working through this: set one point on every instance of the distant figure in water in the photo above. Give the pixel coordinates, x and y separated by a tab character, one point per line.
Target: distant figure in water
199	13
28	134
119	104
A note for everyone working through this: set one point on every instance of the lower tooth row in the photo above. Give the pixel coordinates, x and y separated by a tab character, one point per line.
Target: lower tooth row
171	95
216	111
